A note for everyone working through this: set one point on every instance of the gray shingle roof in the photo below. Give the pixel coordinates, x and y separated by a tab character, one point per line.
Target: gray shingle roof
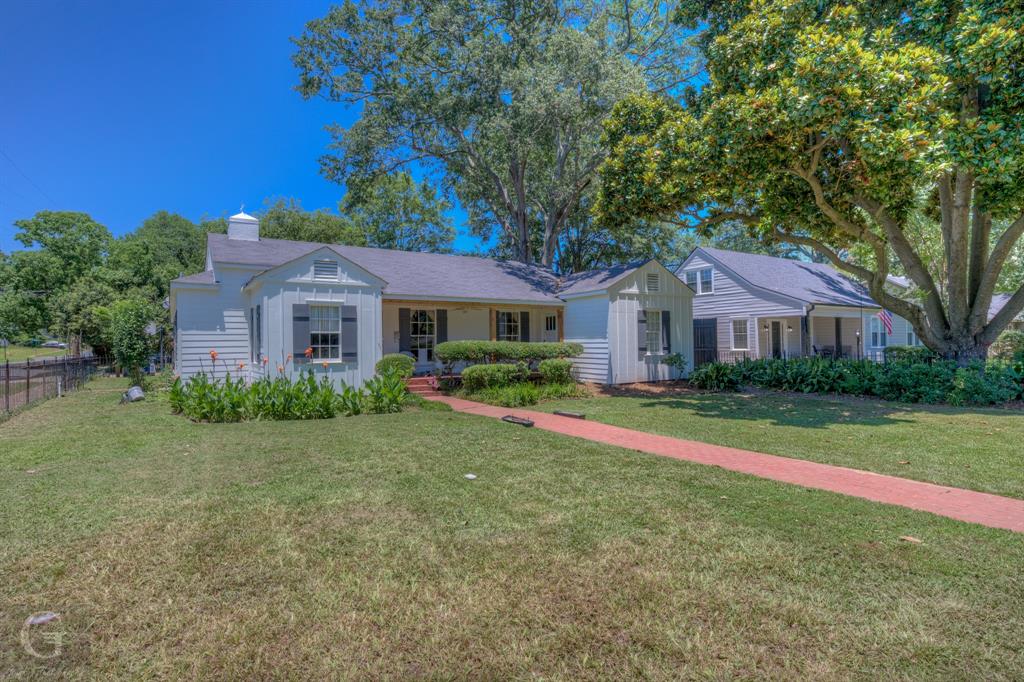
407	273
205	277
808	282
595	280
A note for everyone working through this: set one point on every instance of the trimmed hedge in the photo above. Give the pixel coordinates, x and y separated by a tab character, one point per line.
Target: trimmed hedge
479	377
909	354
402	364
934	382
556	371
451	352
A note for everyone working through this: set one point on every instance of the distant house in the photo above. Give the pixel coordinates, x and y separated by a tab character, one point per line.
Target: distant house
749	305
260	301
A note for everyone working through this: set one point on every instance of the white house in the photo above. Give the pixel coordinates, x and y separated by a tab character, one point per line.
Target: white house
749	305
261	303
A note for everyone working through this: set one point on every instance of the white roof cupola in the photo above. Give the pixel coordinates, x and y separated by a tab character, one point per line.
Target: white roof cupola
244	227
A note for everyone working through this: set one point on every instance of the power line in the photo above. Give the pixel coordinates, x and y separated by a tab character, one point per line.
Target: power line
30	180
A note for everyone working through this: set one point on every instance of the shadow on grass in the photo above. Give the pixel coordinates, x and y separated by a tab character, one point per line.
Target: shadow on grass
786	410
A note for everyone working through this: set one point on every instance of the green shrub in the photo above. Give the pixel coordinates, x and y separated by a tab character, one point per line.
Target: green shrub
514	395
556	371
909	354
280	398
451	352
677	361
560	391
480	377
715	376
979	384
397	362
386	392
1009	346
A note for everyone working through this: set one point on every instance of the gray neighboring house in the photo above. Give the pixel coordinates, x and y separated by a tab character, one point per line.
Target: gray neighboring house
260	301
749	305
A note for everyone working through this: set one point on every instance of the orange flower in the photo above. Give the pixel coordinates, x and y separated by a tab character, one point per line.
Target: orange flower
309	352
213	355
288	358
280	369
325	365
265	361
241	365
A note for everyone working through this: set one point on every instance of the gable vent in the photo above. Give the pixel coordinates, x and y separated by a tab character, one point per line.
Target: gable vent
325	271
653	282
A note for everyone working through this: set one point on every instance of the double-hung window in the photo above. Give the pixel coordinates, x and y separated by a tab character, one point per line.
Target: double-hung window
422	332
508	326
702	281
325	332
878	335
912	339
653	331
740	335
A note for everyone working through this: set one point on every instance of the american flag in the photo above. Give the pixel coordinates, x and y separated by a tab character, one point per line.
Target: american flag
886	317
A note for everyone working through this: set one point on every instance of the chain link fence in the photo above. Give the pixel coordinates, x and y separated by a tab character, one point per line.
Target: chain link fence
23	383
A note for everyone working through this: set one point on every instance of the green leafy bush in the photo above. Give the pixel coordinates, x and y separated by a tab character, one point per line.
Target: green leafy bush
280	398
979	384
514	395
386	393
715	376
1009	346
480	377
909	354
451	352
397	362
128	339
556	371
677	361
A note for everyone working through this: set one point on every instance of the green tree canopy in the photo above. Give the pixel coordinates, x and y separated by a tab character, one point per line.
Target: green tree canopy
396	212
831	125
286	219
504	100
75	240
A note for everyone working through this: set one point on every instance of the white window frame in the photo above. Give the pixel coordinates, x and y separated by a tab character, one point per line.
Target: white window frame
698	285
319	325
876	331
653	331
746	333
502	325
419	338
333	264
655	278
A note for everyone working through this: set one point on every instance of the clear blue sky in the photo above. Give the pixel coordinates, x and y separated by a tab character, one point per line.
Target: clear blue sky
123	109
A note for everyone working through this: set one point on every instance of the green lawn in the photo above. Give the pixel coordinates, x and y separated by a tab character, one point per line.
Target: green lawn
354	547
968	448
23	353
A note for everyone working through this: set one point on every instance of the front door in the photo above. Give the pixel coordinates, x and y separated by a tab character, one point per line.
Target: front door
422	337
551	327
705	340
776	339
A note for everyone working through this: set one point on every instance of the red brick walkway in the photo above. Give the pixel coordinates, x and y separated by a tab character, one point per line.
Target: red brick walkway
956	503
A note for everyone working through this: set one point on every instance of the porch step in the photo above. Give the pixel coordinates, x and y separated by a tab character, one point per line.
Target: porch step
420	386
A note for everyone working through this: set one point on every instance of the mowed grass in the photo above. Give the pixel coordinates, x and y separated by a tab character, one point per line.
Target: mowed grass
23	353
979	449
354	547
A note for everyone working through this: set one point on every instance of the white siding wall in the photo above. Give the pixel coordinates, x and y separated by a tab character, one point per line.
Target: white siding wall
733	298
213	319
626	300
586	323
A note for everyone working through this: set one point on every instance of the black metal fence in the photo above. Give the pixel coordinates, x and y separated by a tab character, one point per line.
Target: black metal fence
26	382
734	356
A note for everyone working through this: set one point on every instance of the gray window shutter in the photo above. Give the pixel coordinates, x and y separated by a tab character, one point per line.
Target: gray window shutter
666	332
524	326
349	333
404	331
300	332
641	332
441	325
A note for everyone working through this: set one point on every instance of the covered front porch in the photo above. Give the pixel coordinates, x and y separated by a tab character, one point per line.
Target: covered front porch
823	332
415	328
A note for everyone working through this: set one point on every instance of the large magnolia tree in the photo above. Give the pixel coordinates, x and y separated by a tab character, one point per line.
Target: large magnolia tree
503	99
835	126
